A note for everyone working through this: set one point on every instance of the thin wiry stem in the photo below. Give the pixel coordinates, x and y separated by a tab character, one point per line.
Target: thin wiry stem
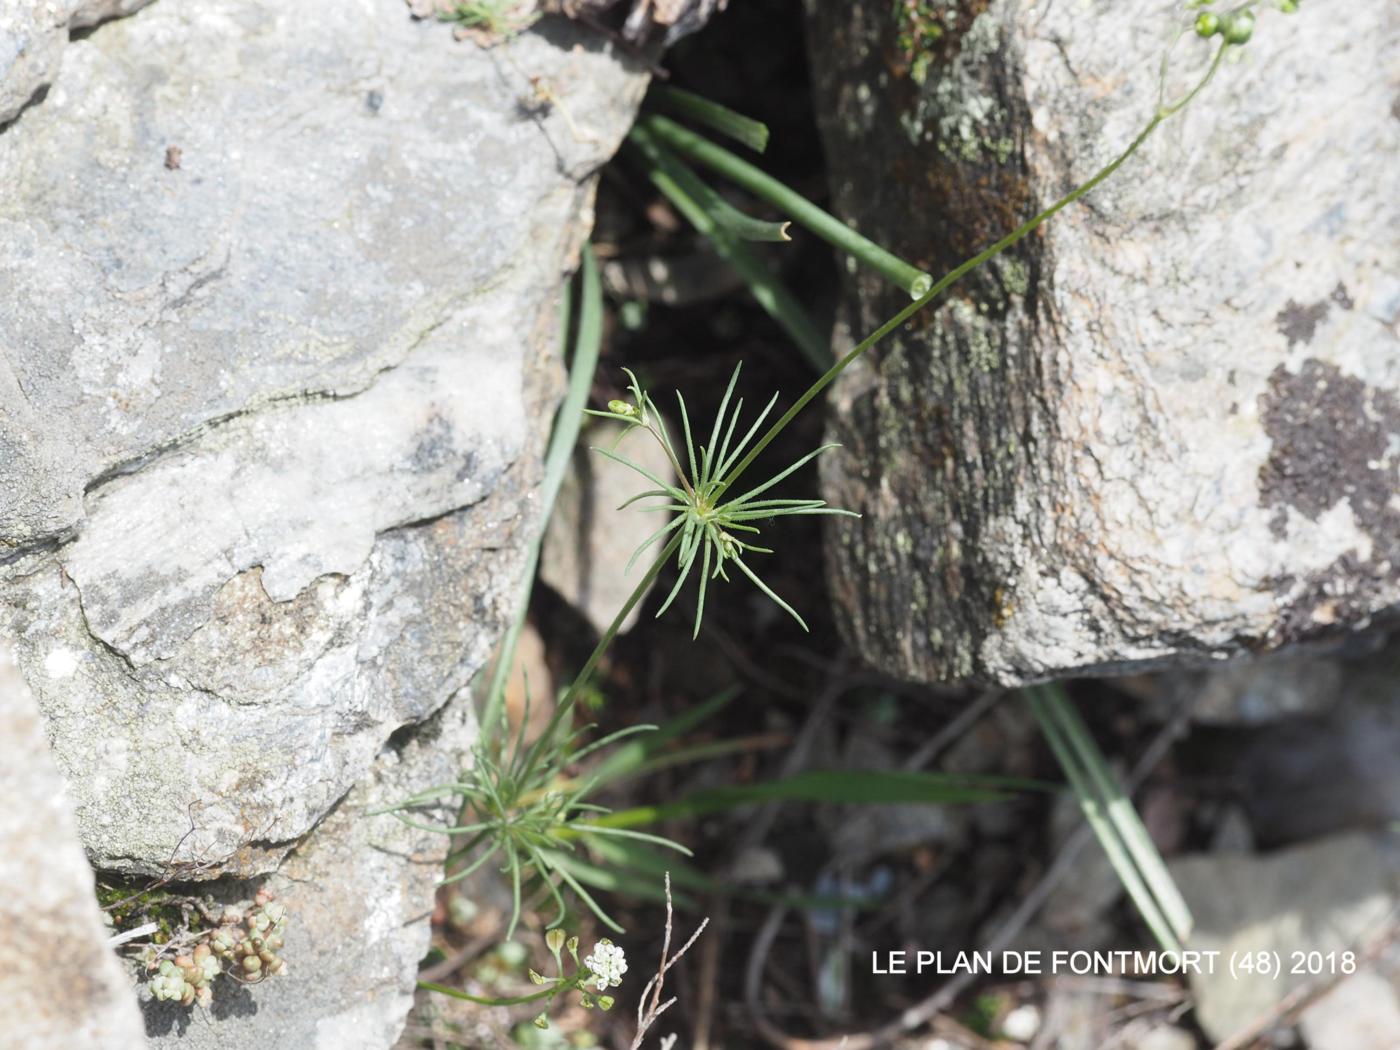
1014	237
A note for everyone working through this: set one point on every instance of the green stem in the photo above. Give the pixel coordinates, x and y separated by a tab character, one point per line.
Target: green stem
457	993
682	187
570	697
803	211
567	423
1016	235
752	133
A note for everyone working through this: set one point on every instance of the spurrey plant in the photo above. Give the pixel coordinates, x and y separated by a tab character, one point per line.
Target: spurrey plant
709	525
523	806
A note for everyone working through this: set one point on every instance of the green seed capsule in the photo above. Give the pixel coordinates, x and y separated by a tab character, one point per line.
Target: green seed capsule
1207	24
622	408
1239	29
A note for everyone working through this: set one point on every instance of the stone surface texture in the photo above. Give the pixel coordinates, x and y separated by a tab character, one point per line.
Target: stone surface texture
1333	895
358	893
33	34
278	348
271	407
1168	426
60	985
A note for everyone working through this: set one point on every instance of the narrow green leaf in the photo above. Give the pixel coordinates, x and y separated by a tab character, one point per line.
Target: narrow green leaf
625	760
769	591
741	500
562	440
738	451
607	454
868	787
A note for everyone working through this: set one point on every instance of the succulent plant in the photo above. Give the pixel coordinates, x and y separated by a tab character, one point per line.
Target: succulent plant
245	945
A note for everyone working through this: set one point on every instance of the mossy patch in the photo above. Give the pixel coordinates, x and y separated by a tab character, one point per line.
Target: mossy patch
134	903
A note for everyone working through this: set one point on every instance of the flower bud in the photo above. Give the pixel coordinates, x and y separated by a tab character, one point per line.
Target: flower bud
606	1001
554	940
623	408
1207	24
536	978
252	964
542	1022
1239	28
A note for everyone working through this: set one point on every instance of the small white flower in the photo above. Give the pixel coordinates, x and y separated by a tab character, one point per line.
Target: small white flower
607	964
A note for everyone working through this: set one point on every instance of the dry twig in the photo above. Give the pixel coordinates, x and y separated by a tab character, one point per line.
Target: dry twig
648	1014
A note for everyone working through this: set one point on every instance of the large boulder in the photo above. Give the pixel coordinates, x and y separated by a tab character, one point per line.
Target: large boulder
33	34
278	353
60	985
272	407
1166	427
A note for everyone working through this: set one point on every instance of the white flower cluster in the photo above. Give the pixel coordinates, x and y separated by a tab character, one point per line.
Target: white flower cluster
607	963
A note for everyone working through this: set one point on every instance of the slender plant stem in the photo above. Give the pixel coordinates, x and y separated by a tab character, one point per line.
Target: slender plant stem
752	133
679	184
457	993
561	446
570	697
1016	235
828	227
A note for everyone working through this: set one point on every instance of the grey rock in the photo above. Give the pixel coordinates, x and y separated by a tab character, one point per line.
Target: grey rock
1328	896
359	894
589	541
1303	680
1168	427
272	408
33	34
1361	1013
1162	1037
1305	775
60	985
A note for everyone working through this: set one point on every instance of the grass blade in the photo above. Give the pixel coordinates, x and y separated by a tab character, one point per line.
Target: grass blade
626	760
562	440
1089	776
867	786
